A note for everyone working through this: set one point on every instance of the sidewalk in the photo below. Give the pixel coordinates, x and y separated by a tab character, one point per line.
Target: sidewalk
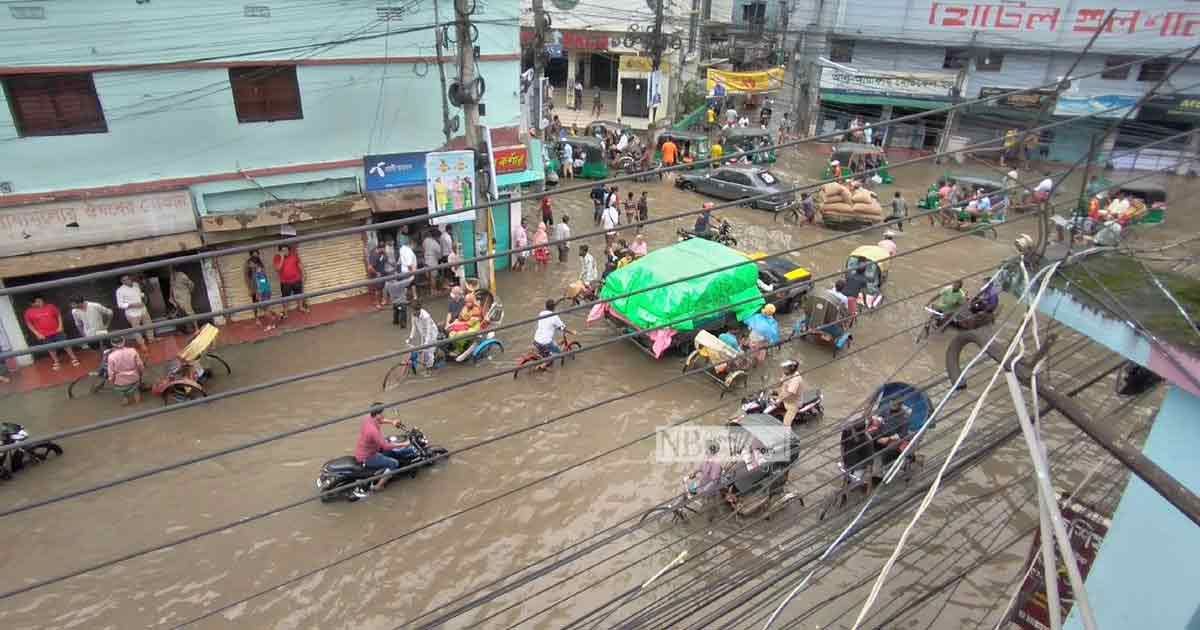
40	375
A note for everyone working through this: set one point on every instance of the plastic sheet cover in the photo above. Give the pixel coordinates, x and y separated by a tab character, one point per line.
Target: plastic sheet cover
698	297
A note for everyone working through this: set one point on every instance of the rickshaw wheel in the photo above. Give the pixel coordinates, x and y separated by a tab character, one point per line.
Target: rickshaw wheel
488	353
181	392
692	359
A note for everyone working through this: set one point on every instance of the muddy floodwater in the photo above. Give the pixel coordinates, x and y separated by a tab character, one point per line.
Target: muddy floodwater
399	582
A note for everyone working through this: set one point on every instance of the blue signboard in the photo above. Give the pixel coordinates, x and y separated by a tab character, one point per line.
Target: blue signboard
1101	106
394	170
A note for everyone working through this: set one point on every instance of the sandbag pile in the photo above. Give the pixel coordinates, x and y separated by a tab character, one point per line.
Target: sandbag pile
838	204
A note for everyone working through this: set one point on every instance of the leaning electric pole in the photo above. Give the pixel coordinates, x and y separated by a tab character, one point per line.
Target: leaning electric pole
656	53
539	68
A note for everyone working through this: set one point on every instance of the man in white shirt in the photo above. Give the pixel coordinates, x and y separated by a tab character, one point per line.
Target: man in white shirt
548	325
132	301
90	317
587	271
406	257
609	220
731	116
568	160
562	232
423	333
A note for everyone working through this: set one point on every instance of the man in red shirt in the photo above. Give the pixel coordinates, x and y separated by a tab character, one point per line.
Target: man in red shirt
291	276
373	450
45	321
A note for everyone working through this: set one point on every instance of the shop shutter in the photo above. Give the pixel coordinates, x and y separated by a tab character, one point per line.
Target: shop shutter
328	263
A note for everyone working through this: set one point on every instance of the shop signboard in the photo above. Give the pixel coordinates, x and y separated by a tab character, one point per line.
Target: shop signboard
1176	107
1087	530
927	84
510	159
1024	100
450	186
45	227
745	82
1099	106
394	170
570	40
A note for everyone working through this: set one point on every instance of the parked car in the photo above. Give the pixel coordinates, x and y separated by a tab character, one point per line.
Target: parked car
741	182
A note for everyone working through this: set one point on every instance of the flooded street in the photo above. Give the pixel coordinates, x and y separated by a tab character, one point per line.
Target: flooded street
422	572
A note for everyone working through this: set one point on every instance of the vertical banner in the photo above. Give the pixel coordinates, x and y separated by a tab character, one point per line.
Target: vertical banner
654	94
450	186
1086	530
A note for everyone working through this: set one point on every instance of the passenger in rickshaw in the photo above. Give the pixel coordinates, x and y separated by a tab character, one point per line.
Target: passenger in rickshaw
987	300
639	247
889	430
764	332
470	318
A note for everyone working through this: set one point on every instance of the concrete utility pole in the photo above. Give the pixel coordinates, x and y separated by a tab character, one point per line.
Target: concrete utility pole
437	31
539	69
466	72
815	45
782	46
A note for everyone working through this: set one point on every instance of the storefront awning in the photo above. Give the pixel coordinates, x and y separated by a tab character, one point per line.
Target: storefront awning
81	257
881	99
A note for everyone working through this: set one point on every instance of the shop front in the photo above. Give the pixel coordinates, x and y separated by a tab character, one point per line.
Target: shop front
576	55
328	262
1167	116
515	170
642	93
879	97
63	239
1073	142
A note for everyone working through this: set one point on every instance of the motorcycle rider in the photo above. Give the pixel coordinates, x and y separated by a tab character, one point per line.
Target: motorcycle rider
793	388
375	453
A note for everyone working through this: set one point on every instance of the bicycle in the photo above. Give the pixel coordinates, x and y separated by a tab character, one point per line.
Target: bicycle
569	347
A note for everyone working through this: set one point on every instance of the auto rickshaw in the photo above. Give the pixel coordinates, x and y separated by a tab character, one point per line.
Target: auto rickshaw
825	322
693	146
588	149
188	372
605	127
876	262
855	157
746	139
722	363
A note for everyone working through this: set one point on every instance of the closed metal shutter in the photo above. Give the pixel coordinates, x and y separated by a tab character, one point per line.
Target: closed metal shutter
328	263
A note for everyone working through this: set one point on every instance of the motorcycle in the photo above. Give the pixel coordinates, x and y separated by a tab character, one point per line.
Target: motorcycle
765	402
339	476
15	459
722	235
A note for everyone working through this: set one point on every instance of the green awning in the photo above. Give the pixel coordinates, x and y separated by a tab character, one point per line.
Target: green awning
881	99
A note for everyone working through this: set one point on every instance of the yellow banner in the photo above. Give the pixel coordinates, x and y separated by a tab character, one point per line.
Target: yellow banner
634	63
746	82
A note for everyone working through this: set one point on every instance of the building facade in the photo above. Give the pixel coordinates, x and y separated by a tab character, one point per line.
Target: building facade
884	59
137	131
603	48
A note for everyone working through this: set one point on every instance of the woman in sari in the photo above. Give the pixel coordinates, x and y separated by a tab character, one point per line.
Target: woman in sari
541	255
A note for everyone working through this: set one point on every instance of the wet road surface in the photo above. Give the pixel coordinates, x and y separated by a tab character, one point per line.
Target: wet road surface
400	581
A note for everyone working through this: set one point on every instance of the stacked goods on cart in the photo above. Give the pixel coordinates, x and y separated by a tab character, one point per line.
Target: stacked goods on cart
839	205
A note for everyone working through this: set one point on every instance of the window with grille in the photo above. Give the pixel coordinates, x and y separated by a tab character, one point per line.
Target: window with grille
841	50
1154	70
54	104
990	61
265	93
956	58
1115	68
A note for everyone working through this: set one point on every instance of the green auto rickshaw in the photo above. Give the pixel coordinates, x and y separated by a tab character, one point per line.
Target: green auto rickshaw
588	150
746	139
693	146
855	157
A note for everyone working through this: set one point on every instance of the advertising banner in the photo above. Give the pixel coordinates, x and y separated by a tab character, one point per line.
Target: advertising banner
1086	530
394	170
450	186
1176	107
1103	106
745	82
1029	101
930	84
